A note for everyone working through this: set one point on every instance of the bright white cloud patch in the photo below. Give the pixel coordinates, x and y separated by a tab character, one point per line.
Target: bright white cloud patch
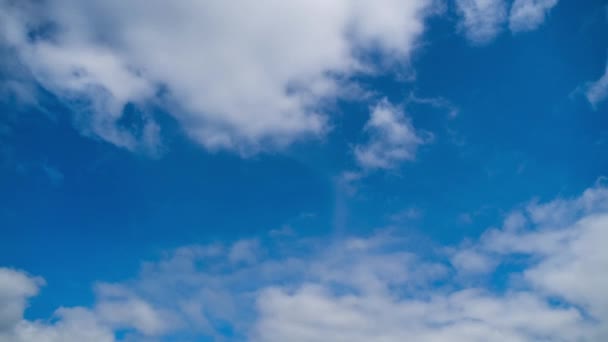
240	75
481	20
392	138
358	288
15	288
527	15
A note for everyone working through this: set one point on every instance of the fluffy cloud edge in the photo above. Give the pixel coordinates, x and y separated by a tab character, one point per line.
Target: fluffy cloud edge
252	81
356	288
392	138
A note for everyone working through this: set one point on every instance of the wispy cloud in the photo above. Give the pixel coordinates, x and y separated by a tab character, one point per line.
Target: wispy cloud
435	102
356	288
597	91
54	175
481	20
528	15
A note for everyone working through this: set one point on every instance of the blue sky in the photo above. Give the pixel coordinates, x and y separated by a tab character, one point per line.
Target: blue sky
303	171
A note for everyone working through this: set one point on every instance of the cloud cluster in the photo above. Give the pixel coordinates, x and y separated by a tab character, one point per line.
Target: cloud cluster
483	20
73	325
556	294
242	75
565	239
356	288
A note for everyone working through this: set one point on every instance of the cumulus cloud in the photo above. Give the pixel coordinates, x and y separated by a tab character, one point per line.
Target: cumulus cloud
468	315
563	259
527	15
242	75
359	288
481	20
71	325
15	288
567	238
117	308
120	308
392	138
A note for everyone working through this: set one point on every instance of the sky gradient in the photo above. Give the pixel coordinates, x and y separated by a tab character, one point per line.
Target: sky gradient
348	170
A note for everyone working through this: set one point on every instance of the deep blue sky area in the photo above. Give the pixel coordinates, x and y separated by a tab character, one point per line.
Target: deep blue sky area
508	121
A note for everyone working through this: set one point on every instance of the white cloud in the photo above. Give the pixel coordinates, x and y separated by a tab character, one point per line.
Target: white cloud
527	15
241	75
315	314
392	138
597	91
565	262
576	272
481	20
70	325
360	288
121	309
115	309
15	288
567	242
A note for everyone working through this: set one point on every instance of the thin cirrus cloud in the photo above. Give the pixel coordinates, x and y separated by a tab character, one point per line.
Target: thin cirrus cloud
483	20
597	91
242	76
356	288
527	15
